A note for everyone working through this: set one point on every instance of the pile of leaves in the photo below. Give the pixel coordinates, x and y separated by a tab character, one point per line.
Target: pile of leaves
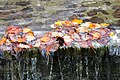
73	33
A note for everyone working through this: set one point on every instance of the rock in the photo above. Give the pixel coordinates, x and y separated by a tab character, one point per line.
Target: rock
116	7
37	24
45	0
118	35
2	28
40	26
40	8
50	21
26	15
21	22
2	8
23	3
14	16
6	7
3	16
69	4
96	20
86	20
118	22
100	10
104	12
91	13
97	10
14	11
45	15
61	14
20	15
81	15
80	9
77	11
5	12
73	17
27	9
108	3
116	14
114	25
72	6
82	5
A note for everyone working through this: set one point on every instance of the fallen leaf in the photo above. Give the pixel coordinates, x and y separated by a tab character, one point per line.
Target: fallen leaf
45	39
77	21
26	30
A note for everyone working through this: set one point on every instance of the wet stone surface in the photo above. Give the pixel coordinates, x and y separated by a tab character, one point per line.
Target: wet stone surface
104	12
108	3
118	22
23	3
91	13
40	8
46	12
116	7
116	14
96	20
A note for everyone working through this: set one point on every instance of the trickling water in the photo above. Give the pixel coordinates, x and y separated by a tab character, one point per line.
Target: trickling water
73	65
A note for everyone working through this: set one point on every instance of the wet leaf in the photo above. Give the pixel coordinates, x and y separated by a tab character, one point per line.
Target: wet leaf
45	39
77	21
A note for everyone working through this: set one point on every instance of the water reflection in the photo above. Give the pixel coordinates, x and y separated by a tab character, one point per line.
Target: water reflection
66	64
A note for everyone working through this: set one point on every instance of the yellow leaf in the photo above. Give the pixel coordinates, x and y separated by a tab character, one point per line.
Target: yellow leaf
111	34
59	23
104	24
77	21
26	30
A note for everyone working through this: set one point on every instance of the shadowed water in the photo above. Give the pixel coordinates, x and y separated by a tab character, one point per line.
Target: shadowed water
66	64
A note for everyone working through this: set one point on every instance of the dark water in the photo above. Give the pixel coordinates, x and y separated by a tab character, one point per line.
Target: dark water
66	64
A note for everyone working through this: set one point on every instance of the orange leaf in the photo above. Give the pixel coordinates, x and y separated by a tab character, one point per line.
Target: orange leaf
92	25
31	34
13	30
21	40
68	23
45	39
2	41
